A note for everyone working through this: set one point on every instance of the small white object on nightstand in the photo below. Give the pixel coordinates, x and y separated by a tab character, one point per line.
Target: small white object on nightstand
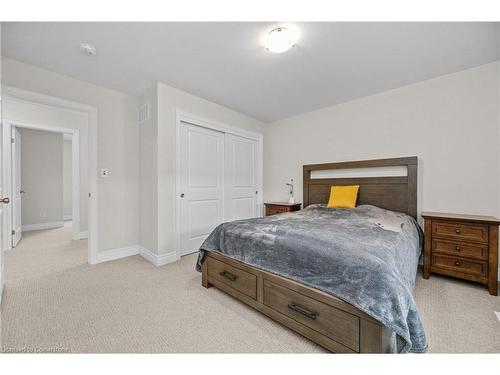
291	196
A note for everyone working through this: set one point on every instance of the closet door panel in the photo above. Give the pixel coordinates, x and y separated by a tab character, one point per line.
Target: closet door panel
241	171
202	168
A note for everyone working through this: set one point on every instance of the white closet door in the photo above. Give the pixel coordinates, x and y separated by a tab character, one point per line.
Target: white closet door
201	175
241	173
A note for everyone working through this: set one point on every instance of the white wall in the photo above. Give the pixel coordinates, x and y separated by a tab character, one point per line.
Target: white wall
118	146
171	101
451	123
48	116
41	177
68	179
149	173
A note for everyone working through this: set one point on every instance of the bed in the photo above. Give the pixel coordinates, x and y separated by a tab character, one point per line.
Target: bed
342	278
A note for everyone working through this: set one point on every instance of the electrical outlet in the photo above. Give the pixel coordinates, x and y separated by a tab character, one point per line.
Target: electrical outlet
43	214
105	172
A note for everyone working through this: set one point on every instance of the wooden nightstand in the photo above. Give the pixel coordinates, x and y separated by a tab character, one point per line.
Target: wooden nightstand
274	208
463	246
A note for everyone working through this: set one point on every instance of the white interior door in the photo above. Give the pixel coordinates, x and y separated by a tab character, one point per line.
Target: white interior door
16	186
201	183
3	220
241	178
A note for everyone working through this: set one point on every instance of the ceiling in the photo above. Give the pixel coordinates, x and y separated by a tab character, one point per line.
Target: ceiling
227	64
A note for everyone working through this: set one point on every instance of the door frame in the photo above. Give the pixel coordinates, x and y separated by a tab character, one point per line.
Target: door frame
14	135
15	93
75	173
213	125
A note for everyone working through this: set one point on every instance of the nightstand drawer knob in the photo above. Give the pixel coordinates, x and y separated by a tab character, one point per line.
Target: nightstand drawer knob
457	230
457	248
457	263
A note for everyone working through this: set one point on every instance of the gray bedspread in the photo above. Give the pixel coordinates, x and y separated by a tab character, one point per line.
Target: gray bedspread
348	253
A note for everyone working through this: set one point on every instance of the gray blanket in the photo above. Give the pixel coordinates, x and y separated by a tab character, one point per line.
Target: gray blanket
348	253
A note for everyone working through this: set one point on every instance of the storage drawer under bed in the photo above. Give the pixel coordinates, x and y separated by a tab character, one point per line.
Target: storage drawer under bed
324	319
236	278
327	320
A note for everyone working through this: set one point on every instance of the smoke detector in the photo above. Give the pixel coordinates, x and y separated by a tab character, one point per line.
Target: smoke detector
88	49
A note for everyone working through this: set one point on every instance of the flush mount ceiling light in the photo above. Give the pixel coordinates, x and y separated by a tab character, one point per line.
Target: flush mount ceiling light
88	49
280	39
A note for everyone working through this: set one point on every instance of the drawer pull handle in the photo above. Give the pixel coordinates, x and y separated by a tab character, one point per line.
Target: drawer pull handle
228	275
457	231
301	310
457	263
457	248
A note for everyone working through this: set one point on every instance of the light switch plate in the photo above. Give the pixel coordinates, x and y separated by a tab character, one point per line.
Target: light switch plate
104	172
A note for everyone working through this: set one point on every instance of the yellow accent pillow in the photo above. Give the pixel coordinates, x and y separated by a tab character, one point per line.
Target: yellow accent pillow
343	196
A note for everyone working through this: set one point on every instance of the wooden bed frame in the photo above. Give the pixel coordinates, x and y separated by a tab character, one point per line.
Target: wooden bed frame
328	321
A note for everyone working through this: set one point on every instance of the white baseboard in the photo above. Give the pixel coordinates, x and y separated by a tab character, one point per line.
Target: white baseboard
40	226
157	260
83	235
67	217
105	256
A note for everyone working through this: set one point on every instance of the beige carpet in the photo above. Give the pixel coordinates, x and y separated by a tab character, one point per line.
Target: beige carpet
54	301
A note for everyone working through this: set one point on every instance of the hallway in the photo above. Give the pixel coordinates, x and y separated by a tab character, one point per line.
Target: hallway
45	252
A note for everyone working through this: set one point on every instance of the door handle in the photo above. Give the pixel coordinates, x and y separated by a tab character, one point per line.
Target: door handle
182	195
228	275
4	200
308	314
21	192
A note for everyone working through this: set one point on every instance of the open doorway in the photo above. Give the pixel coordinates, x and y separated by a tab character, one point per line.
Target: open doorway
45	179
74	122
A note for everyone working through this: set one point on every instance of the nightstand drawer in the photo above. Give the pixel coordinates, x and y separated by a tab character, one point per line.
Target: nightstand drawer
467	232
281	207
469	266
273	210
462	249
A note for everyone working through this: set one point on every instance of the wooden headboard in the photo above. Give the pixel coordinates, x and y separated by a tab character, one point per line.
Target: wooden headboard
395	193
